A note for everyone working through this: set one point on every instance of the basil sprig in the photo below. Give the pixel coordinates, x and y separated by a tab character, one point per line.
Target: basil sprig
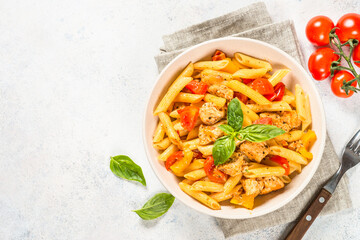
224	147
123	167
156	206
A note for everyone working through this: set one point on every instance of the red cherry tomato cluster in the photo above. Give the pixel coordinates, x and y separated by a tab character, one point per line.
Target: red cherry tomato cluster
317	32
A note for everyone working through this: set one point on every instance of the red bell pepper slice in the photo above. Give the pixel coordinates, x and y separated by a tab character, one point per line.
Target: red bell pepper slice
241	97
264	120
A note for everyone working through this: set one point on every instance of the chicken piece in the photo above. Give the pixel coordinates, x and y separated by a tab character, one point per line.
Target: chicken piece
210	114
252	186
221	91
295	146
208	134
271	184
234	166
255	150
287	120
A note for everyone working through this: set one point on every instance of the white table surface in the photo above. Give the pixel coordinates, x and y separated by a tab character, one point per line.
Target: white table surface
74	79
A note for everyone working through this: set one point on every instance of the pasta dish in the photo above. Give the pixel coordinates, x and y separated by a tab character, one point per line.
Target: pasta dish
231	130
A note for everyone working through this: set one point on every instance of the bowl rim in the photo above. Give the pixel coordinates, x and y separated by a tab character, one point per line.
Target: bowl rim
300	188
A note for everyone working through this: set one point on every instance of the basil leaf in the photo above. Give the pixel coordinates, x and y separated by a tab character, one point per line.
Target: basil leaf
223	148
260	132
156	206
226	128
123	167
235	114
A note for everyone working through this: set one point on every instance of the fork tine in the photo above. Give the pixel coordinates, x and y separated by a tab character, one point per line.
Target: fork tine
355	139
356	146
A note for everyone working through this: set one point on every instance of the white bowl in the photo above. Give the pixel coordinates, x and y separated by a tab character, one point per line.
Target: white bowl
279	59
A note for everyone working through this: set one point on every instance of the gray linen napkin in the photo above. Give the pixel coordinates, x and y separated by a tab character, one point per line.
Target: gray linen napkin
284	37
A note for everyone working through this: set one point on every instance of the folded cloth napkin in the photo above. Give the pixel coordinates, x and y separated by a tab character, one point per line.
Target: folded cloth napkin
283	36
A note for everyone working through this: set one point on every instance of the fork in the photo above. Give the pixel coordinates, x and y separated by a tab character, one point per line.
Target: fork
350	157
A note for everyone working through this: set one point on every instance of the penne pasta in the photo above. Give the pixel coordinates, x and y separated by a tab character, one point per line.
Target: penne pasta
192	144
195	175
180	165
294	166
193	133
278	76
249	73
162	145
285	179
170	150
206	186
206	150
264	172
181	81
288	154
211	77
252	62
218	101
238	65
159	133
273	107
231	183
222	196
300	102
188	98
175	114
248	112
246	121
247	91
200	196
306	123
290	136
225	65
195	165
169	128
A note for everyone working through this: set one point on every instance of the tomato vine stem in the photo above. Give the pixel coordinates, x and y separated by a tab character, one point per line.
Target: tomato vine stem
336	65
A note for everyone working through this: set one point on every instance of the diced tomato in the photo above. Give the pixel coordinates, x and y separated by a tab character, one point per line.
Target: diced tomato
283	162
262	86
218	55
241	97
197	87
278	94
214	174
188	117
247	80
264	120
197	154
173	158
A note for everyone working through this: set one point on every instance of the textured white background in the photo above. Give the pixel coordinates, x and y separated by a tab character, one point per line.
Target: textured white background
74	78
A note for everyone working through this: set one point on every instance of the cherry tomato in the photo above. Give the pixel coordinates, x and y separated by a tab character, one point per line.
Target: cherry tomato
337	82
283	162
262	86
214	174
241	97
247	80
348	27
173	158
356	55
197	87
218	55
278	94
318	29
264	120
320	62
188	117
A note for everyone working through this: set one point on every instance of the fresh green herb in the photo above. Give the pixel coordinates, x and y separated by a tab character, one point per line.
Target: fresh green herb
235	115
336	65
225	146
223	149
156	206
123	167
